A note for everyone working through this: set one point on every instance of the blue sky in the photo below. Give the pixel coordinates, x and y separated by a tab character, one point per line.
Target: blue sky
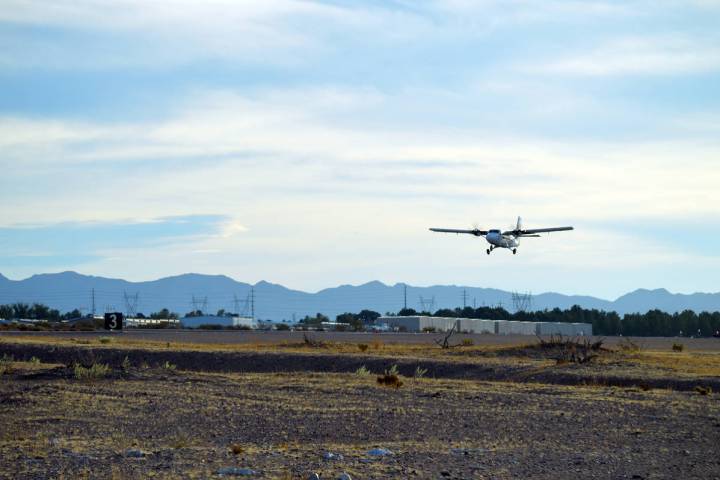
313	143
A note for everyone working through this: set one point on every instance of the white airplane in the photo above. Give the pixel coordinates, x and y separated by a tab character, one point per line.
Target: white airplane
508	239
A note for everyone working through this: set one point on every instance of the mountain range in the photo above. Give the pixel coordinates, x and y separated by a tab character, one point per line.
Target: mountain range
183	293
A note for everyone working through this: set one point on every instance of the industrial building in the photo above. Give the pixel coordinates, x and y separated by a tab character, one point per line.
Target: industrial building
215	321
417	323
566	329
475	325
510	327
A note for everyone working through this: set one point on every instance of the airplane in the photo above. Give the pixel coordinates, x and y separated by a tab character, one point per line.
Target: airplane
509	239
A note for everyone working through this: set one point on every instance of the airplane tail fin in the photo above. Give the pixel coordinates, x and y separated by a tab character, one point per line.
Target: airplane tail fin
519	224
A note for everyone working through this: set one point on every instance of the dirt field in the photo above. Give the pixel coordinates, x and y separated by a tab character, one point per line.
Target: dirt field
278	337
169	411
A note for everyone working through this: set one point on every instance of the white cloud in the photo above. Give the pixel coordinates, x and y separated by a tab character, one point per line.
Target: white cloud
664	55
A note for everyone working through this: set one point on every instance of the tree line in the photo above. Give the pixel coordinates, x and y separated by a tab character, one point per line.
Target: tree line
38	311
654	323
650	324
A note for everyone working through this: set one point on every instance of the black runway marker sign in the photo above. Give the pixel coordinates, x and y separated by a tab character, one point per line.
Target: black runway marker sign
113	321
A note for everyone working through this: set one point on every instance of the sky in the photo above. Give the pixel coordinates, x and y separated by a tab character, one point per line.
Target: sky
313	143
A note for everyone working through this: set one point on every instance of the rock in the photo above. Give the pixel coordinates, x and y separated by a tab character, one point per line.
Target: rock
459	451
344	476
236	471
379	452
314	476
332	456
134	453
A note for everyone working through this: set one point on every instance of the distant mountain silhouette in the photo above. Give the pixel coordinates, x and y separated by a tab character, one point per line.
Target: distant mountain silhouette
69	290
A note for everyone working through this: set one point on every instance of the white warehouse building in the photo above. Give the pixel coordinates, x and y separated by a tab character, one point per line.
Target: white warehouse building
418	323
476	325
195	322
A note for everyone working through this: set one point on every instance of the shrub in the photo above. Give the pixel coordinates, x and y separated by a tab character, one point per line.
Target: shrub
125	365
236	449
703	390
420	372
377	344
467	342
96	370
678	347
628	346
390	381
105	340
362	372
363	347
35	360
282	326
6	364
168	366
429	329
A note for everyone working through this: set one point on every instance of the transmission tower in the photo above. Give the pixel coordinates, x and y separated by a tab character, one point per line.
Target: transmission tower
200	304
427	304
236	305
252	303
93	302
131	304
522	302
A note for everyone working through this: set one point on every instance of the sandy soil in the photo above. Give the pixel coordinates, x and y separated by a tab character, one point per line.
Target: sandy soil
184	423
166	410
278	337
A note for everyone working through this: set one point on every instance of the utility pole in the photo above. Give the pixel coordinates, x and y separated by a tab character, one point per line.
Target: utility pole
93	302
464	298
405	295
252	303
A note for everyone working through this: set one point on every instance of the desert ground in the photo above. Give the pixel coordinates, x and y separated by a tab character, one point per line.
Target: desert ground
138	406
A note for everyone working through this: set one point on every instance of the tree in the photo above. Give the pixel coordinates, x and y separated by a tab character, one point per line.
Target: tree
352	319
164	314
368	316
316	320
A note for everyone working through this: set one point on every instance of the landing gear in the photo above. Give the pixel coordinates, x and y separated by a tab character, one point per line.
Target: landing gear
488	251
514	251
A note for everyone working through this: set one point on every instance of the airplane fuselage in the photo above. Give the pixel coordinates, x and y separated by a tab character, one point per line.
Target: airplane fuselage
497	239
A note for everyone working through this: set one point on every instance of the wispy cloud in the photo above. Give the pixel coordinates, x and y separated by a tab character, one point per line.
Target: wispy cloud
663	55
325	137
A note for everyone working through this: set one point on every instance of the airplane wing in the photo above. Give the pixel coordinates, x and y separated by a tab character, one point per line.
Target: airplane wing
543	230
474	231
532	231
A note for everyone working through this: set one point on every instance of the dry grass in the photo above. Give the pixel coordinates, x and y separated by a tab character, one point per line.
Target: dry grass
93	372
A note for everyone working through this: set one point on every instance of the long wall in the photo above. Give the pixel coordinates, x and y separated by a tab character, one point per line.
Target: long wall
475	325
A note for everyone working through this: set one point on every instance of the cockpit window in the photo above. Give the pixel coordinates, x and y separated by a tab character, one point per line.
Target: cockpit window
494	231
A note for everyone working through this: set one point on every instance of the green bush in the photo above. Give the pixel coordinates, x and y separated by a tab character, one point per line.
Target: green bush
95	371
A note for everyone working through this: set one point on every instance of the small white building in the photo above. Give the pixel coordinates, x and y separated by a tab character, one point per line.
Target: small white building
213	320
